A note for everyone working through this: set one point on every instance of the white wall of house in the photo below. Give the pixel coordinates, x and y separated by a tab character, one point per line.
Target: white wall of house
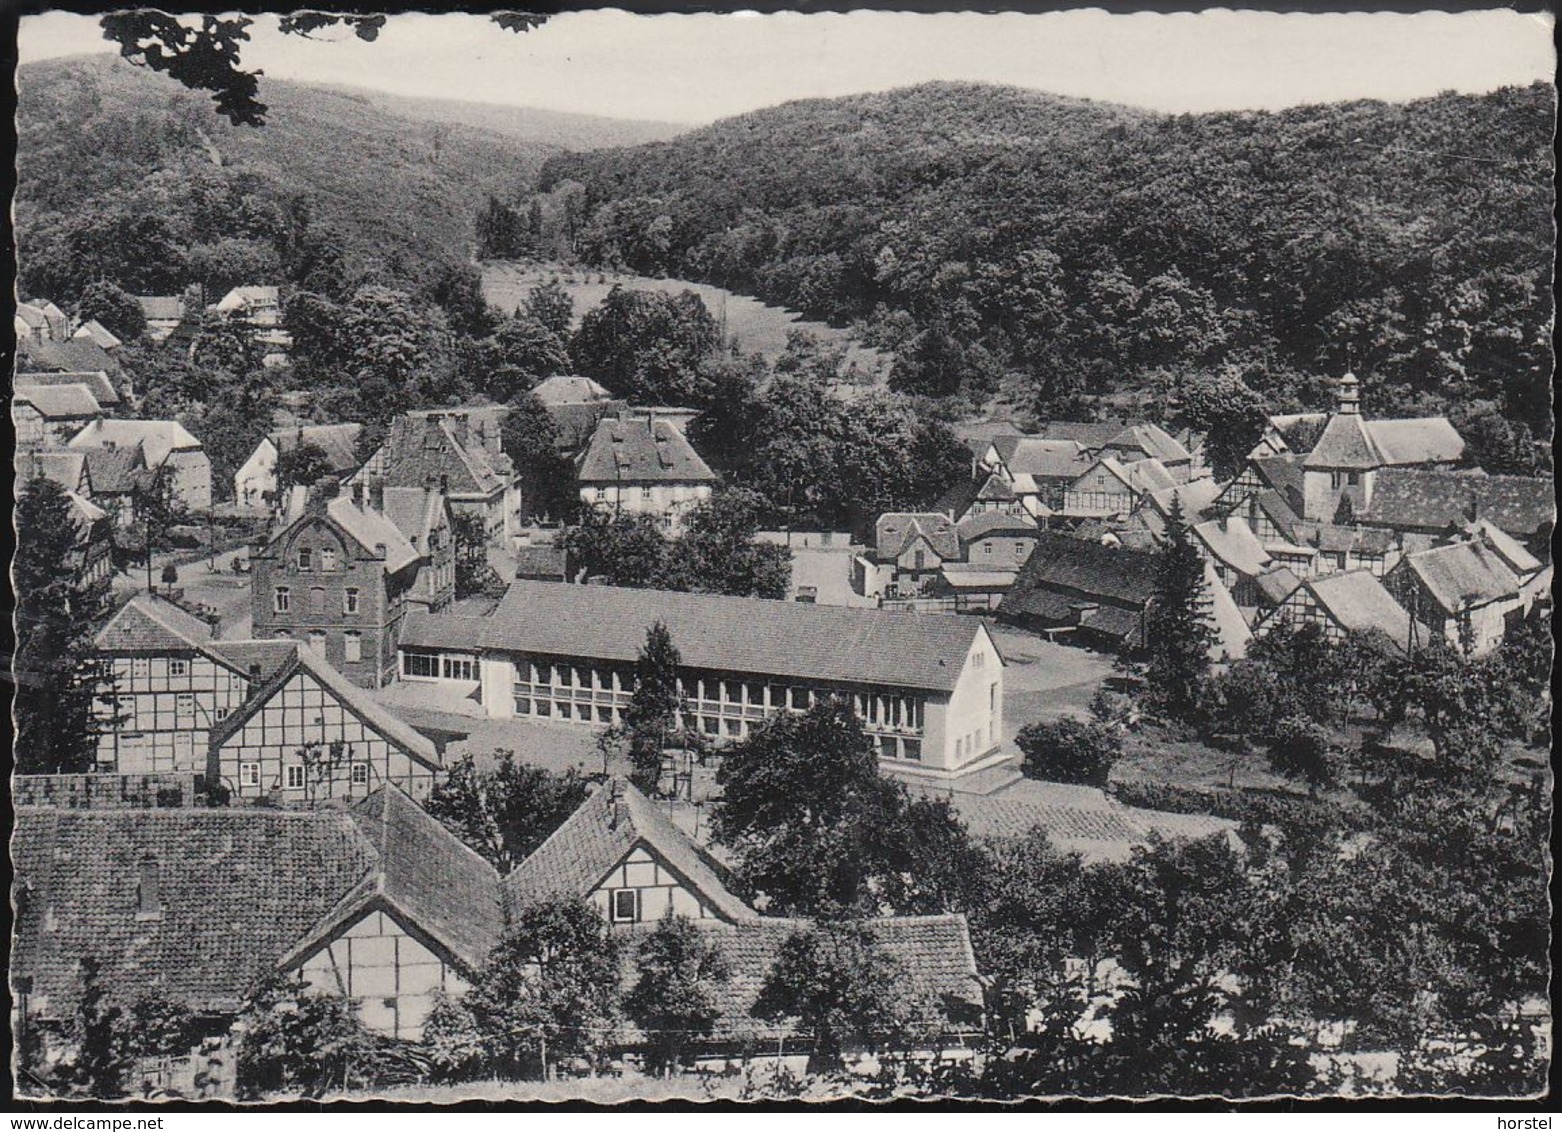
392	975
1322	490
642	888
258	477
192	477
264	754
969	724
167	706
668	502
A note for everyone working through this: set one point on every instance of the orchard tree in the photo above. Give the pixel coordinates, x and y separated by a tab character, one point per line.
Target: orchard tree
842	988
504	811
548	989
676	998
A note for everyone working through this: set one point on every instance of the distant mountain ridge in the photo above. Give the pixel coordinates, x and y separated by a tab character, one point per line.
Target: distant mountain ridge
558	128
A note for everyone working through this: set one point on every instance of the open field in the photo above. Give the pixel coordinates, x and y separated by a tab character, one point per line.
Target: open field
753	325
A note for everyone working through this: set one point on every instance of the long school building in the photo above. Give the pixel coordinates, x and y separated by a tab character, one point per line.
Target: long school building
928	688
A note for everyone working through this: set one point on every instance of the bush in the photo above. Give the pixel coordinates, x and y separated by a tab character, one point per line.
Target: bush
1070	750
1301	750
170	575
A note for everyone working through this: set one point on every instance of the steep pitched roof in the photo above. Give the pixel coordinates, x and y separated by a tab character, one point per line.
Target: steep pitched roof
985	523
161	308
423	874
424	449
73	355
1233	542
1345	443
1505	546
147	623
262	658
1037	456
156	438
242	297
570	389
580	853
641	450
1439	498
339	442
736	634
1462	574
1061	562
58	402
575	424
95	331
117	471
1088	434
370	528
933	954
1357	600
1143	476
1152	441
1277	584
95	380
959	499
897	530
415	511
230	909
62	465
1285	475
1423	440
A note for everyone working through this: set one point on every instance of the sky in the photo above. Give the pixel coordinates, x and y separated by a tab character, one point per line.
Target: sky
697	68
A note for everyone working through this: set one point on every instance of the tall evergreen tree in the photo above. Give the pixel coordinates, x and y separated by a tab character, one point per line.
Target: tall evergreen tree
655	705
1178	628
55	668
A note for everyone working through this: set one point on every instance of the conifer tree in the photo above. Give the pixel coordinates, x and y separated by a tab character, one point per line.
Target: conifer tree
1178	629
56	670
654	707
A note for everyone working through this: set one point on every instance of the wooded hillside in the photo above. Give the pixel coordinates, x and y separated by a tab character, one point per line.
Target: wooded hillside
1063	250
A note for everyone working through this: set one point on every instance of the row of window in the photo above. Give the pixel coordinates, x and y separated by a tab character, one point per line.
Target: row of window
282	599
433	666
123	711
328	559
293	775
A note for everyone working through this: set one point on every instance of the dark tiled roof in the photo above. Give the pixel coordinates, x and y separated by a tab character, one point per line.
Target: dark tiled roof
1283	474
1437	499
339	442
1040	456
415	512
541	562
75	355
570	389
161	308
61	402
983	523
641	450
575	424
95	380
117	471
422	630
933	952
422	873
1462	574
65	466
238	888
787	639
958	500
598	835
1276	585
1344	443
149	624
1151	440
1089	434
353	698
243	656
1063	563
423	450
896	530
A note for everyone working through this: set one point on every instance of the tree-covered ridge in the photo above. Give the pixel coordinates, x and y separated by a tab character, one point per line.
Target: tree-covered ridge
102	145
1051	247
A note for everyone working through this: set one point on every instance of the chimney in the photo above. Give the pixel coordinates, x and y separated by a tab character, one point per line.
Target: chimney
1350	396
358	494
444	483
616	814
321	493
376	493
379	550
254	672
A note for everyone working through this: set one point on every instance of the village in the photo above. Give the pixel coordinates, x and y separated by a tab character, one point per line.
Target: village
308	689
956	590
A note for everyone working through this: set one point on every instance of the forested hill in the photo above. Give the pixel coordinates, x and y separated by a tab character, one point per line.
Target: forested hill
105	146
1063	250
